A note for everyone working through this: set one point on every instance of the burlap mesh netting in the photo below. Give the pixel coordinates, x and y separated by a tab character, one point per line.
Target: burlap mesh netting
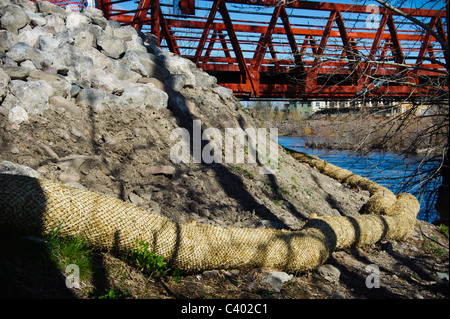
37	206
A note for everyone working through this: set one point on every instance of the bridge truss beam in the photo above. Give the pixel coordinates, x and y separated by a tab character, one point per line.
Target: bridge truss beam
299	49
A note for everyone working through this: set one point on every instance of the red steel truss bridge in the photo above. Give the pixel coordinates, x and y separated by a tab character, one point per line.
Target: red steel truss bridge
301	49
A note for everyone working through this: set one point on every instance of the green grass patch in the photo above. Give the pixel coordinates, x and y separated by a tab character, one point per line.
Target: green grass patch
69	250
115	293
443	229
150	263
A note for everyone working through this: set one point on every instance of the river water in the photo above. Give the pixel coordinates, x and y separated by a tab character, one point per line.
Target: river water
391	170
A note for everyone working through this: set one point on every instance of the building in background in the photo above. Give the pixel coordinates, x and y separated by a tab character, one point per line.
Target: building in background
303	109
298	109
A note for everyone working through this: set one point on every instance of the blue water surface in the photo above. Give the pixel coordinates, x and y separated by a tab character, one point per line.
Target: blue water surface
391	170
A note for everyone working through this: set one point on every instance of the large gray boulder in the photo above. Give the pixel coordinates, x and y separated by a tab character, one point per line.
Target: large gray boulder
31	95
84	39
31	36
17	72
102	80
22	51
54	23
7	167
111	46
145	95
56	84
96	16
101	101
50	8
4	81
276	279
77	20
7	40
144	64
13	18
47	42
178	65
16	116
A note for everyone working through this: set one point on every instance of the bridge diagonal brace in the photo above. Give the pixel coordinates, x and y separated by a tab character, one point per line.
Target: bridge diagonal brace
375	46
291	38
441	31
261	47
312	42
206	29
349	48
384	51
273	53
217	34
396	47
325	36
344	36
141	13
426	42
165	29
211	44
311	77
224	43
245	72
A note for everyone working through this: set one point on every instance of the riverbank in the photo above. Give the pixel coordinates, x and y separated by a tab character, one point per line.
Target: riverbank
391	170
95	133
419	135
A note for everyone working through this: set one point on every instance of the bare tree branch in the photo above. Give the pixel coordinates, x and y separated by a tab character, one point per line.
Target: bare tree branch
419	23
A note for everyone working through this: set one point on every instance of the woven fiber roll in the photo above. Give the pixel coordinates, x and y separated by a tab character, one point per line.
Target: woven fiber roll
36	206
381	199
370	228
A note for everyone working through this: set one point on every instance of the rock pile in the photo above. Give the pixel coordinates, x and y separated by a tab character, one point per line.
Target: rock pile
92	104
52	56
